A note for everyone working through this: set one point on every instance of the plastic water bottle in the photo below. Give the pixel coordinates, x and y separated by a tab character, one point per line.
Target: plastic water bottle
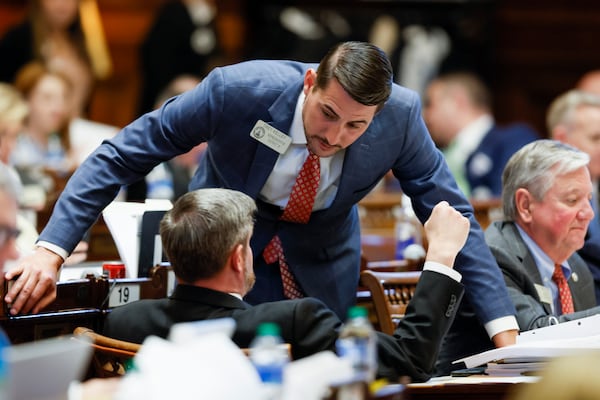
407	232
357	344
269	356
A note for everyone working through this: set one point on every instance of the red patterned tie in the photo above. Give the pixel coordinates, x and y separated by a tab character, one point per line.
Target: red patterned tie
564	293
298	209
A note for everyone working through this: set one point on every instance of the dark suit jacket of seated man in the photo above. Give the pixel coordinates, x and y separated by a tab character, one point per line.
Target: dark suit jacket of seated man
206	237
544	228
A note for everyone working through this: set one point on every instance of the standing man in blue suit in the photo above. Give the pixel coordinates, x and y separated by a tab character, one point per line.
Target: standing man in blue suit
458	113
260	120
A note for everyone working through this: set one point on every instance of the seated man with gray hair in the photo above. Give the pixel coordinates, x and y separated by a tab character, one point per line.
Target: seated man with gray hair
546	199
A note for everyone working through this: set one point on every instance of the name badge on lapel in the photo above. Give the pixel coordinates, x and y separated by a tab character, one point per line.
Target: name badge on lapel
544	293
270	137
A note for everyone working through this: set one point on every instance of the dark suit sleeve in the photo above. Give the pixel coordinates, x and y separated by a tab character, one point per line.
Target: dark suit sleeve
426	179
413	349
307	324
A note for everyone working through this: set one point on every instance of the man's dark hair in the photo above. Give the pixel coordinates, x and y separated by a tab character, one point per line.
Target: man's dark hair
363	70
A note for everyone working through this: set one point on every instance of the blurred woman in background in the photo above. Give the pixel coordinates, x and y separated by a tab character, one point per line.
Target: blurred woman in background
55	34
44	142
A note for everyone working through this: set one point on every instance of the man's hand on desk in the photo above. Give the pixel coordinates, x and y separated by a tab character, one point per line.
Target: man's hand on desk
505	338
35	287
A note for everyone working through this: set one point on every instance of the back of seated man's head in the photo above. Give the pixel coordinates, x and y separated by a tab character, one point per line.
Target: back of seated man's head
201	230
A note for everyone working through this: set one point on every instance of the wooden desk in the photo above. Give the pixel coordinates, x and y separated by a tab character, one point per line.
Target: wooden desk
378	247
28	328
468	388
82	302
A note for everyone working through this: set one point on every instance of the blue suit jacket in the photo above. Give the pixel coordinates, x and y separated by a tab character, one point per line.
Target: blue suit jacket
485	165
324	254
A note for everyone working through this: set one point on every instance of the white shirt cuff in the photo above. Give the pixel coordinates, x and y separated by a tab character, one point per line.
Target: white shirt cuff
500	325
442	269
53	248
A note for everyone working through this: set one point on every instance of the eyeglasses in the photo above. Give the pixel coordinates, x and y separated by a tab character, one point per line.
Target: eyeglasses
7	233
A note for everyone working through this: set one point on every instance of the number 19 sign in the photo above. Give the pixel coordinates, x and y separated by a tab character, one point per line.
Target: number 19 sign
122	294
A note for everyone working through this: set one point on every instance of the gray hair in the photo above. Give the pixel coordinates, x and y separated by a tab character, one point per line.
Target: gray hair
202	228
562	109
535	167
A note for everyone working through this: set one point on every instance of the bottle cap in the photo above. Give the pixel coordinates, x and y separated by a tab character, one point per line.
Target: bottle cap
268	329
357	311
114	269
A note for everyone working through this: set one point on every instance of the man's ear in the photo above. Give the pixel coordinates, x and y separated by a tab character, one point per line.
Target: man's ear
310	80
523	204
237	258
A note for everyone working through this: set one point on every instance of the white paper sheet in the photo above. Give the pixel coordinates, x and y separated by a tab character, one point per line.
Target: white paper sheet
123	220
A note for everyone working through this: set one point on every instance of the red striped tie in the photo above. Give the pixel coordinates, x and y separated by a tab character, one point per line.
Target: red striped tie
298	209
564	293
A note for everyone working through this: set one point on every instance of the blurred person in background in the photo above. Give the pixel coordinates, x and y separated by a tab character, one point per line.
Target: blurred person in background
54	34
9	193
590	82
574	118
572	377
13	111
182	40
44	142
458	112
170	179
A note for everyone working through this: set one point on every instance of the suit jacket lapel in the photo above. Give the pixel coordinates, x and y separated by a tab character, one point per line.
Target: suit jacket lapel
574	284
519	248
282	113
357	167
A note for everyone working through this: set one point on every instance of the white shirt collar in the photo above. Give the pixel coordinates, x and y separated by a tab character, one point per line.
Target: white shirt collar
471	135
297	128
239	296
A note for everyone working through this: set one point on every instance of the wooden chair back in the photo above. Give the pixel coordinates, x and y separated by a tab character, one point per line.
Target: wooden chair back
111	357
390	294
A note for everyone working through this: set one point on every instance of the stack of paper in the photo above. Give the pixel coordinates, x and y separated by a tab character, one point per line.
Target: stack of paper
514	368
535	348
